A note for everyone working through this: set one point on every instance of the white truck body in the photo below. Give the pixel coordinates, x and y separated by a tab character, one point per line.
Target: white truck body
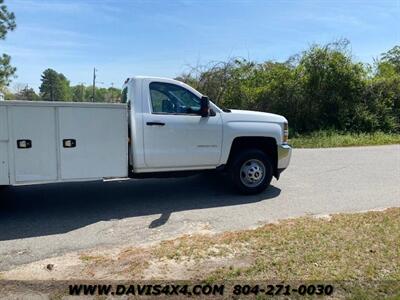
153	132
100	132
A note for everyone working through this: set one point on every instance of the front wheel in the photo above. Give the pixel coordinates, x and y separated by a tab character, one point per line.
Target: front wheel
251	172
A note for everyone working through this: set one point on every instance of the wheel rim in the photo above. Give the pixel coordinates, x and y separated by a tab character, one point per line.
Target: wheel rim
252	173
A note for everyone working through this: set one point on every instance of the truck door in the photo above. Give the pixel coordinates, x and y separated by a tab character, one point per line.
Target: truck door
34	143
175	135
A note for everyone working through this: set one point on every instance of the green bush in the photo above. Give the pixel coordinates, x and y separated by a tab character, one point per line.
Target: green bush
320	89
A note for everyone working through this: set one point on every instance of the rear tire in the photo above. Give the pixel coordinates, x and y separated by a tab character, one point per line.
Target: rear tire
251	171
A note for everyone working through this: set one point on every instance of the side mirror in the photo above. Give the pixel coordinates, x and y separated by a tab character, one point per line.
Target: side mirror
204	107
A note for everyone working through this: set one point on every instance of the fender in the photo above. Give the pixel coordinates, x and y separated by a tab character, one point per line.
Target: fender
236	129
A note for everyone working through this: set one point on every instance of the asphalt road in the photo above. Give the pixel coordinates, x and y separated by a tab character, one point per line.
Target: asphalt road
43	221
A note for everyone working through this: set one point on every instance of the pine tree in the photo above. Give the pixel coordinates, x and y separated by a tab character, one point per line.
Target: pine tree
55	86
7	23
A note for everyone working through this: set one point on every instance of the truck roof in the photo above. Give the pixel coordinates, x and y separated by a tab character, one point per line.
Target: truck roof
162	79
140	77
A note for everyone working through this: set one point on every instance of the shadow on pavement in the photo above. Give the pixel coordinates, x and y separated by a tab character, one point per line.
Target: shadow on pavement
39	210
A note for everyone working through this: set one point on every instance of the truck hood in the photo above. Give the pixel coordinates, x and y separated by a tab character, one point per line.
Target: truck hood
253	116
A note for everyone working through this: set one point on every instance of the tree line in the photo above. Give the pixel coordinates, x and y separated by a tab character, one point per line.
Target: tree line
322	88
56	87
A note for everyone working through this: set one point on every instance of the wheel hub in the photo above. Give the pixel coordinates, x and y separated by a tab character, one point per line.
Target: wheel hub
252	173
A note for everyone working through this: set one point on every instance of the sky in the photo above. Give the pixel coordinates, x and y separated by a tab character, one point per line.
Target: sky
123	38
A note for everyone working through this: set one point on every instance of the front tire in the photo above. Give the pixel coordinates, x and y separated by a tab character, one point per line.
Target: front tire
251	172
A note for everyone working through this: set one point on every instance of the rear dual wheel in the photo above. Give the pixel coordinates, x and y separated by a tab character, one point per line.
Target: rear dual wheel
251	171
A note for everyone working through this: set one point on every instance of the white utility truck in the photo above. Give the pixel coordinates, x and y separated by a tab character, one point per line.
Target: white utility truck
162	128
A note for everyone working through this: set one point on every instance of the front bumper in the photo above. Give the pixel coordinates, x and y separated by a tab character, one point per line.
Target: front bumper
284	154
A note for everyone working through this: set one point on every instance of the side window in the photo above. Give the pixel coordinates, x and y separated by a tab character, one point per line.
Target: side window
169	98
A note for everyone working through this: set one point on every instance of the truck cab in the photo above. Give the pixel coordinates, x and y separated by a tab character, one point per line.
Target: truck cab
175	128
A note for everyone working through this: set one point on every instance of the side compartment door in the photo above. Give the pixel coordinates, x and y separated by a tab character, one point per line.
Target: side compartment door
34	141
4	178
93	142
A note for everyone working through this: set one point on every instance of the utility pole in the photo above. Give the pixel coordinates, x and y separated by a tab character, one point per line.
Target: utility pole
112	91
82	92
94	84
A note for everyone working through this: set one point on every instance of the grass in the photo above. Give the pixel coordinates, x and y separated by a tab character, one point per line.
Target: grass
359	254
91	258
127	261
348	248
325	139
356	247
